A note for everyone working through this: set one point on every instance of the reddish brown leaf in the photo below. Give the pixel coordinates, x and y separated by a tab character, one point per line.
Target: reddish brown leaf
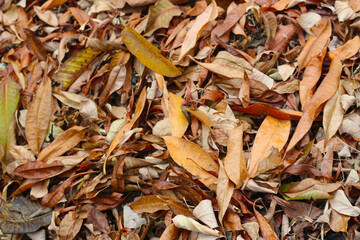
36	170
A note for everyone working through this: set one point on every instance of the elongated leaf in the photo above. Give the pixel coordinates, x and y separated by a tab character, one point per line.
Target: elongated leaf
224	191
148	54
151	204
36	170
178	120
193	158
349	49
63	143
309	195
23	216
34	45
9	97
325	91
160	15
190	224
311	76
209	14
333	114
73	67
38	117
315	45
265	228
272	133
127	127
234	162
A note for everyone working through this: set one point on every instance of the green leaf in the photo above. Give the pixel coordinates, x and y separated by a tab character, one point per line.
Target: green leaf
148	54
309	195
9	97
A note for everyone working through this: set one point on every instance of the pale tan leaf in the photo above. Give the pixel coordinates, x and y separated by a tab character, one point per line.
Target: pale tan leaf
190	224
224	191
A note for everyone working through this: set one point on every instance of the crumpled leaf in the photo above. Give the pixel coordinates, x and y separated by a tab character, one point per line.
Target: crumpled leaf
204	212
308	20
148	54
342	205
344	11
160	15
23	216
190	224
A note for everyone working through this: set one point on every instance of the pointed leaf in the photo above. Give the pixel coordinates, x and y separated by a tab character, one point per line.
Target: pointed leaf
193	158
38	117
209	14
160	15
190	224
9	97
148	54
73	67
325	91
36	170
178	120
265	228
151	204
224	192
63	143
349	49
234	162
272	133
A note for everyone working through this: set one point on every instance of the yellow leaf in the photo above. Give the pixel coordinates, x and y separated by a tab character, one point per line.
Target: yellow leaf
148	54
194	159
272	133
178	120
73	67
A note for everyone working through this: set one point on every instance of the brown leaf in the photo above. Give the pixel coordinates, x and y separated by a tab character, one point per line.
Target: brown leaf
34	45
63	143
151	203
38	117
36	170
70	226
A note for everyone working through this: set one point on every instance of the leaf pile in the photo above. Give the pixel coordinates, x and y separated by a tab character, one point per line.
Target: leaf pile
179	119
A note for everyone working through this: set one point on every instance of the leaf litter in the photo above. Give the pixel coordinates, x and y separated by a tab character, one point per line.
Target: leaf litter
179	119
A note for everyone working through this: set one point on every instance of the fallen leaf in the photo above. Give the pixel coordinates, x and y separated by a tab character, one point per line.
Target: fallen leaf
38	170
224	192
325	91
181	221
197	161
70	226
234	161
38	117
266	231
272	133
63	143
349	49
342	205
209	14
178	120
151	204
148	54
205	213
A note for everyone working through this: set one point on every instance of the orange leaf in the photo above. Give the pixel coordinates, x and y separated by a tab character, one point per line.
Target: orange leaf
178	120
209	14
148	54
193	158
80	15
272	133
311	76
315	45
63	143
38	117
265	228
151	204
127	127
325	91
52	3
234	162
349	49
